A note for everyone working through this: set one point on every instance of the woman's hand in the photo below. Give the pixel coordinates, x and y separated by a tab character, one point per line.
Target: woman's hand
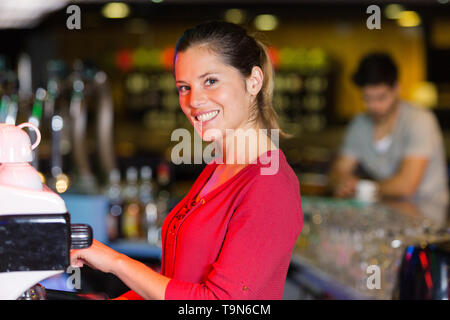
136	275
97	256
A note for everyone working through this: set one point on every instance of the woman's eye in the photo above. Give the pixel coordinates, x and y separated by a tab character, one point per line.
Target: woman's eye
210	81
183	89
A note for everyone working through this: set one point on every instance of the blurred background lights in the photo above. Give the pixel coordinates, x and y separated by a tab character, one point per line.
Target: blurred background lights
425	94
392	11
62	183
408	19
43	180
266	22
57	123
396	243
41	93
116	10
236	16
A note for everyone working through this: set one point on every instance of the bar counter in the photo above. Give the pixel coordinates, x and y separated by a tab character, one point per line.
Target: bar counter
340	239
343	242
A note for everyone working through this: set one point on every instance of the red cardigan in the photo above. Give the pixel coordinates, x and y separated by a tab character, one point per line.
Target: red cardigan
237	241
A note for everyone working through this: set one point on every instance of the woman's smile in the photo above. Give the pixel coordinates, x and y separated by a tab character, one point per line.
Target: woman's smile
205	117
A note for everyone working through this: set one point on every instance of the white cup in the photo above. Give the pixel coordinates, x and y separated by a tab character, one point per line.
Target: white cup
366	191
15	145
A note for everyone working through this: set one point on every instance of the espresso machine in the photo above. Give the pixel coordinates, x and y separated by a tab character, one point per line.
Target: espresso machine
35	230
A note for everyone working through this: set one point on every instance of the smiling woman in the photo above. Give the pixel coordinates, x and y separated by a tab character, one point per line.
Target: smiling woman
213	95
224	80
231	56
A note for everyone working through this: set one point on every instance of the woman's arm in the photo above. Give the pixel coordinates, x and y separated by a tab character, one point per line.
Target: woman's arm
136	275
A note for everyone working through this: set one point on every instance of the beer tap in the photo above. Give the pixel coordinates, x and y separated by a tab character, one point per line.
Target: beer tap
55	113
4	98
85	181
35	118
90	88
9	100
105	122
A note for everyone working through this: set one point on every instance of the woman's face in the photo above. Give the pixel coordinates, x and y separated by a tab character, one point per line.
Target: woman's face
213	95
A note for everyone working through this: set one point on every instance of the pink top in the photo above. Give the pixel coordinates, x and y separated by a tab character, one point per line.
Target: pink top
235	242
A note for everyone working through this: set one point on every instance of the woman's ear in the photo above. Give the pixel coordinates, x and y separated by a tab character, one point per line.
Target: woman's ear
254	81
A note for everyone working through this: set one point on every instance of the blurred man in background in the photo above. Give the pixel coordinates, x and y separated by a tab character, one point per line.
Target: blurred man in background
395	144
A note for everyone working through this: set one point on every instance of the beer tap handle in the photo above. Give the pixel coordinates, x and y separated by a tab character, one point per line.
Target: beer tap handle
86	181
105	123
53	112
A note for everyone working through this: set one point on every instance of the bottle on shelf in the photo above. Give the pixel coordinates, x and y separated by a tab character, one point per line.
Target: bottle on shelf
150	212
163	198
114	217
132	215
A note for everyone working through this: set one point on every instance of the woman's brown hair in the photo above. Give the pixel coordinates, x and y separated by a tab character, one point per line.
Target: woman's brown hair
241	51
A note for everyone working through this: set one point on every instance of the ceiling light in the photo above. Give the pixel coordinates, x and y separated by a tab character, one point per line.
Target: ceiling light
266	22
236	16
116	10
408	19
392	11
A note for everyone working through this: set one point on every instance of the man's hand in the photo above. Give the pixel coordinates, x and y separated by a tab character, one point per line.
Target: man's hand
341	177
346	187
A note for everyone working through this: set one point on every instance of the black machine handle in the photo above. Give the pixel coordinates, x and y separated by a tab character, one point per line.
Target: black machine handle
81	236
